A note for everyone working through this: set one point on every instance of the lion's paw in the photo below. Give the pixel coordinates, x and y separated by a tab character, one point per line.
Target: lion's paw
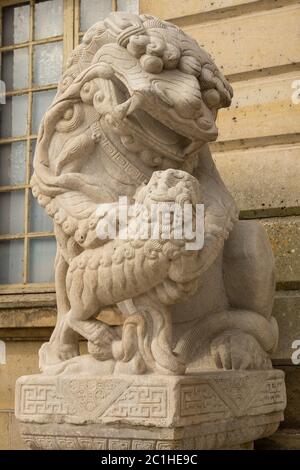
56	352
101	342
236	350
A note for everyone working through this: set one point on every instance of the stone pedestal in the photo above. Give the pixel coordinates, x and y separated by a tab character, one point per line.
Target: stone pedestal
210	410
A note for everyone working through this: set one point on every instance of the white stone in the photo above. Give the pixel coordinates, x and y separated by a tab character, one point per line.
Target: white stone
210	410
132	118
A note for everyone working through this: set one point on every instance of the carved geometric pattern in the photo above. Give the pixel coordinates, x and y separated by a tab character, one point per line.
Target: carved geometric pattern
234	435
66	442
139	444
235	396
119	444
92	443
85	443
272	393
90	396
199	399
94	396
141	402
89	392
115	399
42	399
238	392
169	445
123	162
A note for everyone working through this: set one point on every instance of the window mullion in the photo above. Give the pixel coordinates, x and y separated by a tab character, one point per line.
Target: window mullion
28	148
69	33
32	40
76	22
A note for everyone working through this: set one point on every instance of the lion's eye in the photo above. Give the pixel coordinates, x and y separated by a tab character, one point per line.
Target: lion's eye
69	114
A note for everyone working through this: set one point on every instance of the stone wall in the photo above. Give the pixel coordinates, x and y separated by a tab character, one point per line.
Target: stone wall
258	155
25	324
22	358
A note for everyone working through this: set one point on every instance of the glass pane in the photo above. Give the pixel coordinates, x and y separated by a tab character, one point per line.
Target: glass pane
92	11
15	23
12	163
2	92
47	60
33	145
49	19
15	69
14	116
42	253
40	103
39	220
132	6
12	212
11	261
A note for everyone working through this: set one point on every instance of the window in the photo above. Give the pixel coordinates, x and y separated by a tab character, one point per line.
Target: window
37	37
90	11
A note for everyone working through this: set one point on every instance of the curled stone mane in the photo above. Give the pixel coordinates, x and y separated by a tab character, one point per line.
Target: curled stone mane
158	44
139	49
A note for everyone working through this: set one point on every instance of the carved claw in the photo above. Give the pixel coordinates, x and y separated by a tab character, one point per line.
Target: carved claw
100	344
67	351
235	350
100	336
101	352
54	353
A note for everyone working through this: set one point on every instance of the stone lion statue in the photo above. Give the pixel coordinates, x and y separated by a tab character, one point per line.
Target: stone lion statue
132	117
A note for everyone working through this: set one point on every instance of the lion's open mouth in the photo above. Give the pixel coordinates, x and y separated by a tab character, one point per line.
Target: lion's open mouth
161	135
155	132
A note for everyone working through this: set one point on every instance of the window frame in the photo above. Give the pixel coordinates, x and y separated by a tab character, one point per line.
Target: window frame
70	38
66	38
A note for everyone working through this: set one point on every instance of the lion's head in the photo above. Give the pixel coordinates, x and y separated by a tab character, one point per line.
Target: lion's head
161	92
138	96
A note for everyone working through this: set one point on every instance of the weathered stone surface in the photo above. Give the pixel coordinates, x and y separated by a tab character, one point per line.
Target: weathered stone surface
170	9
22	358
10	437
134	112
16	440
208	410
262	180
4	426
254	101
287	313
95	437
288	436
27	318
284	235
292	411
229	42
285	439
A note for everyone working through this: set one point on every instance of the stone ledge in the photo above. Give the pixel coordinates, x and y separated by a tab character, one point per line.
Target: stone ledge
230	434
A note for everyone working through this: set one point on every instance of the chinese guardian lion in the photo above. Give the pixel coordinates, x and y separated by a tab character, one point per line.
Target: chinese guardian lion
132	117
